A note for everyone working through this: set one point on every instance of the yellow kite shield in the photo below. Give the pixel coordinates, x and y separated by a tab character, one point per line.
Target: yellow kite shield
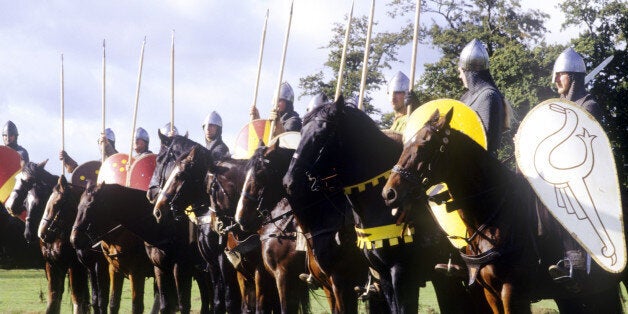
9	168
566	156
249	136
114	169
87	171
142	171
289	140
466	121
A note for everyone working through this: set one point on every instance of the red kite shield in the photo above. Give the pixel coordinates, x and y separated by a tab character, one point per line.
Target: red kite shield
9	168
86	171
566	156
113	170
249	136
142	171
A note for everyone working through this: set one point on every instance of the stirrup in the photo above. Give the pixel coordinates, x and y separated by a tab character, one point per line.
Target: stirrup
450	269
558	272
366	292
309	280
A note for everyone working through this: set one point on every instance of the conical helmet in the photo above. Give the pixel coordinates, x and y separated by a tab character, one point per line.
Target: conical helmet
166	129
399	83
474	57
9	129
213	118
286	93
110	135
317	100
141	134
568	61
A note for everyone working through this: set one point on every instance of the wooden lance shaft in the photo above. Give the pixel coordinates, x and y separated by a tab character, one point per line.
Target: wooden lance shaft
172	85
259	66
62	115
283	62
137	100
415	43
344	55
104	62
365	64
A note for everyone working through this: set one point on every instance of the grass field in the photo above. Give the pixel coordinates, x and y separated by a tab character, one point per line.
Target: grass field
25	291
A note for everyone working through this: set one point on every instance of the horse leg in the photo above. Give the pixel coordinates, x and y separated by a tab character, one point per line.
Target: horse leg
406	287
79	289
183	281
266	296
138	282
116	279
56	280
513	300
203	280
233	297
452	296
168	300
100	283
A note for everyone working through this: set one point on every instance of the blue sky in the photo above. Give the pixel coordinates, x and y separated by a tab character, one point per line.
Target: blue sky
216	53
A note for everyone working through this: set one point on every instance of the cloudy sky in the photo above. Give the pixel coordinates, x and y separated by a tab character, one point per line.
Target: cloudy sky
217	46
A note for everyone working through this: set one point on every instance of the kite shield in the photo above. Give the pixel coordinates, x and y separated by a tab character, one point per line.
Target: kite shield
9	168
249	137
142	171
87	171
114	169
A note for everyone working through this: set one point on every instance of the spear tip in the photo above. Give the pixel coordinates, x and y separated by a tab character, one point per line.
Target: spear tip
291	6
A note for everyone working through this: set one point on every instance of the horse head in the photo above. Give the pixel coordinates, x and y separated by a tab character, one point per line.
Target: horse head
60	211
413	173
185	185
263	187
25	181
171	148
93	218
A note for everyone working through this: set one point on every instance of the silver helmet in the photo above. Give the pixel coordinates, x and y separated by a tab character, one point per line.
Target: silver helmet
110	135
141	134
568	61
285	92
317	100
399	83
474	57
213	118
10	129
352	100
166	130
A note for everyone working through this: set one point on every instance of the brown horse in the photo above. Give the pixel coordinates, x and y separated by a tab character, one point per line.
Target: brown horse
105	206
60	256
504	249
197	182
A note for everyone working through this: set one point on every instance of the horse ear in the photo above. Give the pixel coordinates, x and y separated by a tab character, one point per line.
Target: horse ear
63	181
434	118
192	153
186	134
340	103
42	164
275	145
449	116
163	138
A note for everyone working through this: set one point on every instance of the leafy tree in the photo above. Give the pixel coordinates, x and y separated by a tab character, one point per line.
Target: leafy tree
383	52
605	24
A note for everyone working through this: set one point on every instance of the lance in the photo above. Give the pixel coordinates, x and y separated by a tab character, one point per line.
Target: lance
283	62
104	62
137	100
259	65
172	85
62	115
344	54
365	64
415	42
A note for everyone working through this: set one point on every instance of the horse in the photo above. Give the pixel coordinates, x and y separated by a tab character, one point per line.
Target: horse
56	225
219	186
343	144
504	251
226	294
104	207
59	256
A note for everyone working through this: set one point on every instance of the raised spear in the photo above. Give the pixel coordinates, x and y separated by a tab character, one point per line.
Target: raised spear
62	115
365	64
283	62
415	42
259	65
344	54
137	100
104	62
172	85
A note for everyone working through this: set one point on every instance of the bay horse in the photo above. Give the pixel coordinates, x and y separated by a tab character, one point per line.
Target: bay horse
211	244
504	250
60	257
56	225
343	144
104	207
212	190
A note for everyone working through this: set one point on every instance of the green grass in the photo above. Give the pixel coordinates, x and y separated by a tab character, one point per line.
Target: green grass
25	291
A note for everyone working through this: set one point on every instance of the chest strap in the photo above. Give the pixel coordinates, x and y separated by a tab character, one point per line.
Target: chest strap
360	187
373	238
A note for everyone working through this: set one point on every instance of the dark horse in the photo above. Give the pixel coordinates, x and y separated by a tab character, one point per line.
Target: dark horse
226	294
56	225
342	143
102	208
15	252
197	182
504	248
263	206
60	256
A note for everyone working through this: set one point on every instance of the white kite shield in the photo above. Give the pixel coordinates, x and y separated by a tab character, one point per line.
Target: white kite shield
567	158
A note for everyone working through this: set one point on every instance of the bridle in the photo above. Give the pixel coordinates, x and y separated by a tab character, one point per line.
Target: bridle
57	224
183	178
319	182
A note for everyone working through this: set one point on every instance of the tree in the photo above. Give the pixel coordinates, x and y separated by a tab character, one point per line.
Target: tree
383	52
605	33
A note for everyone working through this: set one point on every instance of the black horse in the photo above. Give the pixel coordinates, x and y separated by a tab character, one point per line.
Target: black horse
226	294
342	143
60	256
509	245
